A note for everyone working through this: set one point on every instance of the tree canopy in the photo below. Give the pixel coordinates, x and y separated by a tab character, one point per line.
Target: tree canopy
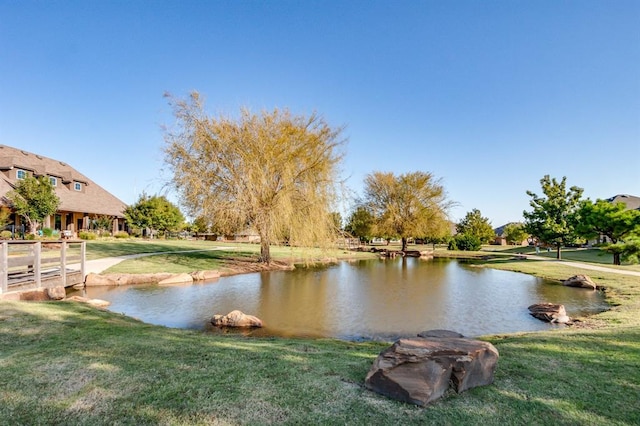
551	220
360	223
614	221
34	199
154	212
515	233
473	224
408	205
273	172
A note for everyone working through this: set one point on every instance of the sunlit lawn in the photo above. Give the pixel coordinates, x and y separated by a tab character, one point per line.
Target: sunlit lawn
68	364
64	363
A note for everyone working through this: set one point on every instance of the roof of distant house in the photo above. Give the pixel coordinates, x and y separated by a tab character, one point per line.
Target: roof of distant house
92	200
632	202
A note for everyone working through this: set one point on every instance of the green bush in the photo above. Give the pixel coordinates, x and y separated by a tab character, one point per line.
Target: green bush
5	235
465	242
47	232
84	235
121	234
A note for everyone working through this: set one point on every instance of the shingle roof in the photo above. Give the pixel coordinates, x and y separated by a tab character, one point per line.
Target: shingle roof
93	200
632	202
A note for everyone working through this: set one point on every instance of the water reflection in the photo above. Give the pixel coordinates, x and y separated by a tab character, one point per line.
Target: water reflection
380	299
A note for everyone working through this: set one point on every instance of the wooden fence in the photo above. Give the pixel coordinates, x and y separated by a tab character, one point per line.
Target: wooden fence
27	265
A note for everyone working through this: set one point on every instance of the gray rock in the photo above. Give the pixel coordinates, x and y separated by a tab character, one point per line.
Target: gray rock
56	293
581	281
236	319
421	370
549	312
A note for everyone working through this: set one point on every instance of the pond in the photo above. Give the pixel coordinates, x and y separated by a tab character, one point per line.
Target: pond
364	300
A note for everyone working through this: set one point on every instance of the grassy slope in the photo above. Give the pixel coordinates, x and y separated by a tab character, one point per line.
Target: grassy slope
70	364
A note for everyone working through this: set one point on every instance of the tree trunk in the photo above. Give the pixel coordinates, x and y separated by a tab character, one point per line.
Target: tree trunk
616	258
404	244
265	253
558	249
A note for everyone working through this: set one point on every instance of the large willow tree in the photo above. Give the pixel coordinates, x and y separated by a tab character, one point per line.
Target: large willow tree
272	172
409	205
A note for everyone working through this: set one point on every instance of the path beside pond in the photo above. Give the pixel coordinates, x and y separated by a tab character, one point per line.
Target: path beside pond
589	266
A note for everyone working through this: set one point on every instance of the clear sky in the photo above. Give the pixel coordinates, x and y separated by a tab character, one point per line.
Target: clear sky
489	96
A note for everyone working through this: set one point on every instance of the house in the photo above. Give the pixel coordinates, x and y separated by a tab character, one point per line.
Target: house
631	202
501	238
81	199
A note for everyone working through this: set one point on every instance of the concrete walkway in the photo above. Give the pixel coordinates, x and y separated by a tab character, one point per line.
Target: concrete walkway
97	266
589	266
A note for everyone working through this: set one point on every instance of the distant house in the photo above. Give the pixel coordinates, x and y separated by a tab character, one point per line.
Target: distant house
501	239
630	201
81	199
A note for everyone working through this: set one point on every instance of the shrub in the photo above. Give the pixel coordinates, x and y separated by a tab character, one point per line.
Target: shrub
5	235
121	234
47	232
84	235
466	242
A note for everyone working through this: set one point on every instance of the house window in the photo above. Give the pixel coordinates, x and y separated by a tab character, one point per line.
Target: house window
77	186
22	174
54	181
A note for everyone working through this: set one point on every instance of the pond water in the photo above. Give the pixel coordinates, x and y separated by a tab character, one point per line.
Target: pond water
364	300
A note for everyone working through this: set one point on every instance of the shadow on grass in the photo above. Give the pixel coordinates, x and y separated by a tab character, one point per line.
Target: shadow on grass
71	364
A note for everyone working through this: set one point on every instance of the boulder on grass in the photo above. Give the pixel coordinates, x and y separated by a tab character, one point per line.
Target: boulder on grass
549	312
420	370
236	319
581	281
56	293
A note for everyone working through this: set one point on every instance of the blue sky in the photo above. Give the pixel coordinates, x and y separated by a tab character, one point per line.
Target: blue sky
489	96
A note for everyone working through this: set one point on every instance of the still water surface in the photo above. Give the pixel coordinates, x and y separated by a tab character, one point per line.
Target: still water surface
376	299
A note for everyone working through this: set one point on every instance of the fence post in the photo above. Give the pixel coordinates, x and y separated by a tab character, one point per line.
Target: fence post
63	263
37	265
83	255
4	267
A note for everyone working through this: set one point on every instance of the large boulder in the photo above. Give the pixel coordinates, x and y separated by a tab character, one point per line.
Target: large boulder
236	319
549	312
420	370
177	279
582	281
56	293
205	275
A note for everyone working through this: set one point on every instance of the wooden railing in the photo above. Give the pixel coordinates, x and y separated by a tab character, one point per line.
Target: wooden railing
36	264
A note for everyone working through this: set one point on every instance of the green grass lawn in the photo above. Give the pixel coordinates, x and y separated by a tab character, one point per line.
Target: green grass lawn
66	363
177	256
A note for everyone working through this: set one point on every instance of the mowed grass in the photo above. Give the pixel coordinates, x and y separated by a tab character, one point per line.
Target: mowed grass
66	363
178	256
